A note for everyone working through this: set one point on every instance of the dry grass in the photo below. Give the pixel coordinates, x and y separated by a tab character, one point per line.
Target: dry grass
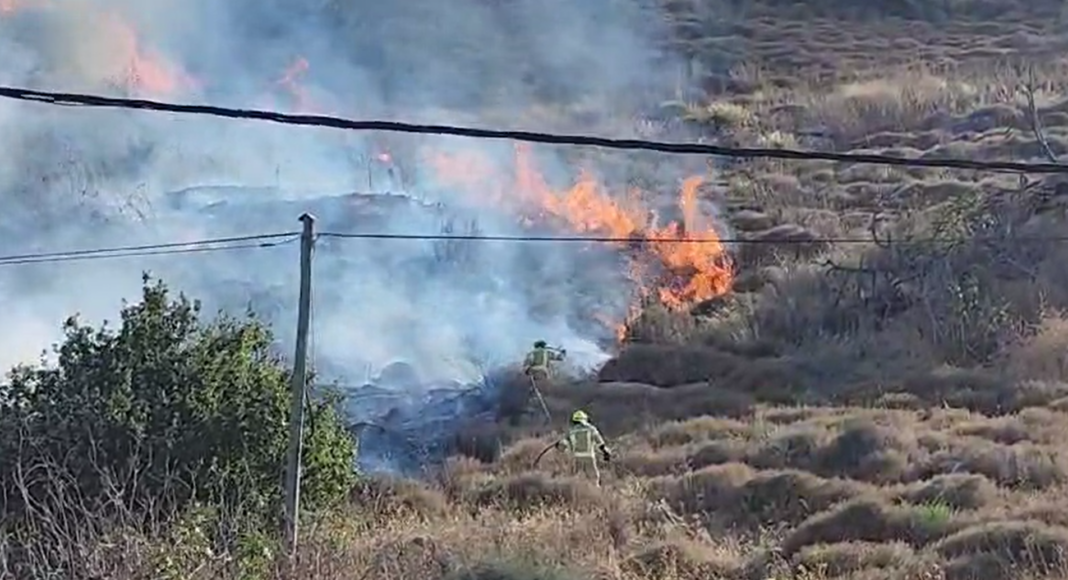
851	411
805	492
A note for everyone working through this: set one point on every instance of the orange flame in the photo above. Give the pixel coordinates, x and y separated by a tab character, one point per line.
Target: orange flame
679	264
146	71
12	6
289	81
141	70
696	264
469	173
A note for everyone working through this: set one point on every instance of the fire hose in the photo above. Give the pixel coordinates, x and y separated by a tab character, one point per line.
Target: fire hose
537	460
606	455
541	400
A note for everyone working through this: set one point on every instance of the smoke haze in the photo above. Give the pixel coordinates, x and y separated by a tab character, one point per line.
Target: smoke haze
94	178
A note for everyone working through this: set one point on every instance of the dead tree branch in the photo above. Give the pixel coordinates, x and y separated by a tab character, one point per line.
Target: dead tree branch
1030	87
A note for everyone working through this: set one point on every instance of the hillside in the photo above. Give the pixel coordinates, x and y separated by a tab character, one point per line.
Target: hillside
888	407
884	409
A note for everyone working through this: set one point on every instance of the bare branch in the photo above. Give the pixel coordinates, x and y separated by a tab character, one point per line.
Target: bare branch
1029	89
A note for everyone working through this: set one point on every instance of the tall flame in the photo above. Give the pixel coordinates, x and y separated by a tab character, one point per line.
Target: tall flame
290	82
679	264
146	72
137	68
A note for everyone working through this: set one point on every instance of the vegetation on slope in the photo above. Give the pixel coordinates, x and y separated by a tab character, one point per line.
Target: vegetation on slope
892	408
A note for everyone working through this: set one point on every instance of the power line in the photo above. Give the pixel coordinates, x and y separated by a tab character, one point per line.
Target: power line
139	254
279	239
147	253
160	246
208	245
84	100
709	240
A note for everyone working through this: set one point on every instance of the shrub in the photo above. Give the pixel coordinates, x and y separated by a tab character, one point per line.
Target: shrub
870	520
532	491
1002	547
961	491
792	447
161	413
684	560
697	429
791	496
866	451
1022	466
421	557
392	498
849	557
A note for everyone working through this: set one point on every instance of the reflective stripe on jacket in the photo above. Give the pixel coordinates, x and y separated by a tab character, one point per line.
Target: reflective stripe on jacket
538	358
584	440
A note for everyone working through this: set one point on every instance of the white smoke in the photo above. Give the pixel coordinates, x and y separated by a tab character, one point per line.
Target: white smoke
78	178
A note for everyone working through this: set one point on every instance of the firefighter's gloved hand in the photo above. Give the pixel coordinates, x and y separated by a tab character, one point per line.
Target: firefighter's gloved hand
606	454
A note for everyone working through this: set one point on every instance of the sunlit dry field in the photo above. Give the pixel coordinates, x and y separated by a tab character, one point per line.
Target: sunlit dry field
885	407
888	407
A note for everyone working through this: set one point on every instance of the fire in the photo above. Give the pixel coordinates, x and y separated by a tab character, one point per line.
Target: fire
696	263
11	6
679	264
135	67
145	71
693	253
466	172
290	83
476	176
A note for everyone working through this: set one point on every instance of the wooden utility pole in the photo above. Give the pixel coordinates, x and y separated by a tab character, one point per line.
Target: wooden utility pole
299	384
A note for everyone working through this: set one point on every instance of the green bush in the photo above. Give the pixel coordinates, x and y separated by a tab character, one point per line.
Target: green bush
165	412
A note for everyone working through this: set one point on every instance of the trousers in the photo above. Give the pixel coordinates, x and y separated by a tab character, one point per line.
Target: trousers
587	467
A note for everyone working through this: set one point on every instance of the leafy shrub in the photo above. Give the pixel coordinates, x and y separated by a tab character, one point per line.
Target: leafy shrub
160	413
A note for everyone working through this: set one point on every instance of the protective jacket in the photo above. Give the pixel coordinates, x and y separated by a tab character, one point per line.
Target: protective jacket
584	440
539	359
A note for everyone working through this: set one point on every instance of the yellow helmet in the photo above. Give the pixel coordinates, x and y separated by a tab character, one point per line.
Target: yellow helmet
579	417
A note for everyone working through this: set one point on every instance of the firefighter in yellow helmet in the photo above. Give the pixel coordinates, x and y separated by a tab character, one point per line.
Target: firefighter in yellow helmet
538	364
584	440
537	368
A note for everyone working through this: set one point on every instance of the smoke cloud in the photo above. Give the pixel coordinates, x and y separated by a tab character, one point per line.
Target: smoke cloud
95	178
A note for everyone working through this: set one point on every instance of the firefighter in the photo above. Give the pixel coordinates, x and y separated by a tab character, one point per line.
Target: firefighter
515	402
584	440
538	364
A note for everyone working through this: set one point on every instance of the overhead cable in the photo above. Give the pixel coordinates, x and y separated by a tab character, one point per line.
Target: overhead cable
86	100
707	239
163	249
